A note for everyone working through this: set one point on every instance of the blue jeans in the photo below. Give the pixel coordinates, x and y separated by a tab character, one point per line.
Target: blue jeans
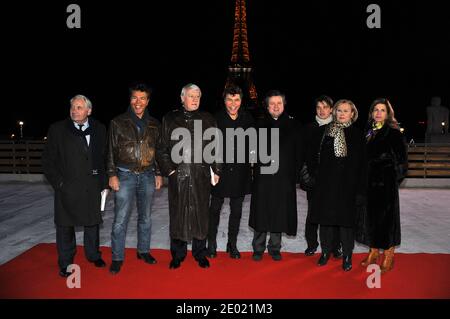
141	186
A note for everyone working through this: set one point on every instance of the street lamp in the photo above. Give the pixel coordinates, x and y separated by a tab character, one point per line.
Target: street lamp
443	127
21	129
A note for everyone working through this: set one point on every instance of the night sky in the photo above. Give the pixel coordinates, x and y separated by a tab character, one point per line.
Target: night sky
302	48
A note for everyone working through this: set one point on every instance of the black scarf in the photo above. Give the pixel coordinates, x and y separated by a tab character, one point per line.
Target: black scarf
141	123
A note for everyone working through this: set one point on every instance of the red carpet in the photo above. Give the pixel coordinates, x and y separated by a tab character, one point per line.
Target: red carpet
34	274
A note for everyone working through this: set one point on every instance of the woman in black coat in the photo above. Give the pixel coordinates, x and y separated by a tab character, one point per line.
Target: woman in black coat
379	223
339	179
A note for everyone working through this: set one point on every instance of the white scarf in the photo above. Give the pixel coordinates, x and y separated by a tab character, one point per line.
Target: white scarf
324	121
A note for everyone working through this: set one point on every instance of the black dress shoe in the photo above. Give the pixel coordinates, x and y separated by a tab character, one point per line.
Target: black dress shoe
337	253
276	256
203	262
174	263
100	263
115	266
212	249
234	252
347	263
212	252
257	256
323	260
310	251
146	257
64	273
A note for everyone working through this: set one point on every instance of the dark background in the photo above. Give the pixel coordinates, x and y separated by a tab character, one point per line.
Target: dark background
303	48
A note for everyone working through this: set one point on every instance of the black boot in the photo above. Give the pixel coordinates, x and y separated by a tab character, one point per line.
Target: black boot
115	266
212	248
203	262
175	263
337	253
323	260
310	251
234	252
347	263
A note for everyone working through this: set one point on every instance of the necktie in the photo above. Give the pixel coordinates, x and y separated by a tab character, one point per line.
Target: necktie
80	127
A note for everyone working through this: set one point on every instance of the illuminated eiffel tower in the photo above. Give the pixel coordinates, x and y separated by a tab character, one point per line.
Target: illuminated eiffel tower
240	70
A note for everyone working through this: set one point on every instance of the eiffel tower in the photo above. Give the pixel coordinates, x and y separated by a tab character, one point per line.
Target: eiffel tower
240	70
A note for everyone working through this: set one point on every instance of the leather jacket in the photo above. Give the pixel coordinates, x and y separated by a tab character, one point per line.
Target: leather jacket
127	149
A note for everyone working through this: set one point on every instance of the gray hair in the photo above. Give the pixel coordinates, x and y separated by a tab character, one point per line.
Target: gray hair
353	106
190	86
82	97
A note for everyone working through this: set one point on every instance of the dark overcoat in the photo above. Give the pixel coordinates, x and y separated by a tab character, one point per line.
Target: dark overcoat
273	205
76	172
340	180
378	225
190	185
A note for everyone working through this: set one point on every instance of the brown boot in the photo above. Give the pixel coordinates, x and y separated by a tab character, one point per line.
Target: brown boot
372	257
388	262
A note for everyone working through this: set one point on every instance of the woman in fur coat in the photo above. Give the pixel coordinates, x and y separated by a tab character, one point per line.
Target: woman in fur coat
378	223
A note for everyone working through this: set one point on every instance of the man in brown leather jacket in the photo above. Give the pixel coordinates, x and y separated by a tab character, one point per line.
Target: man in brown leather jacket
132	171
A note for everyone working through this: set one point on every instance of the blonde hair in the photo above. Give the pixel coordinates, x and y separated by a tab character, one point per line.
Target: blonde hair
353	106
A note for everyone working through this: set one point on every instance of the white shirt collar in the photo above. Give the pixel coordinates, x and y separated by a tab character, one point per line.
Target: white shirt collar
85	125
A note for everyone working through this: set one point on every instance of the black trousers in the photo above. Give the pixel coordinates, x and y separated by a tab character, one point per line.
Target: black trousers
328	239
259	242
67	246
233	222
178	248
311	229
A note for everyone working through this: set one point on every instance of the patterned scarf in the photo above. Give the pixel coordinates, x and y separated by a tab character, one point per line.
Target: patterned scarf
336	130
373	130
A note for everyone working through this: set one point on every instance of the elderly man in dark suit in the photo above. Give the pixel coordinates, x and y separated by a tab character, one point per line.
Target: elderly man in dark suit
73	162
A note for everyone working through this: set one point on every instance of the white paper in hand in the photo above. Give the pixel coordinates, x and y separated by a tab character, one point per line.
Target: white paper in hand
103	202
213	182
